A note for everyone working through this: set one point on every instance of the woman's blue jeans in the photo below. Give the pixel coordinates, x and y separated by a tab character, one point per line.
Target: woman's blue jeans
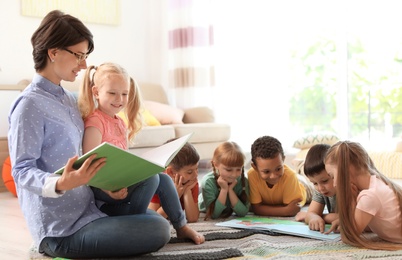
116	236
129	230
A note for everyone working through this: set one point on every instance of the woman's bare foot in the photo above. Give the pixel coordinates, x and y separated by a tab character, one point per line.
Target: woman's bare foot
188	232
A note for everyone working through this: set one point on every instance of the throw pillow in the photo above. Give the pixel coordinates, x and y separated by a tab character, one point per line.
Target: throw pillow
148	118
198	115
311	139
165	114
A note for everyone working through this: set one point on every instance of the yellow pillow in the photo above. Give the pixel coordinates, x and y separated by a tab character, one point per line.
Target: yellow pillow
148	118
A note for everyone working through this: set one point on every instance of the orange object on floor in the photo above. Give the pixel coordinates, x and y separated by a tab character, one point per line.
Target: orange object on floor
7	177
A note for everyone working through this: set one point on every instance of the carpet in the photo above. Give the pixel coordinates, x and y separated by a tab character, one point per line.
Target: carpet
225	243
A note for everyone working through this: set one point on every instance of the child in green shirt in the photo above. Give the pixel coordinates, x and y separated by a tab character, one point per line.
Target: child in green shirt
225	189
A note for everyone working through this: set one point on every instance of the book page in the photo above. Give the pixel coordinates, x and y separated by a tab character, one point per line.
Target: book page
165	153
283	226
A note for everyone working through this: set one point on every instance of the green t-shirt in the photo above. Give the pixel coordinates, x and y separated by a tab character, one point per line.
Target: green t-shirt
210	192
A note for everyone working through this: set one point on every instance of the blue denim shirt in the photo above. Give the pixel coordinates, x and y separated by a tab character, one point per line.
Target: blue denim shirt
46	130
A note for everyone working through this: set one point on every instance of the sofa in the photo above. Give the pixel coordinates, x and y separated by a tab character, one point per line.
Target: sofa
164	122
388	162
176	122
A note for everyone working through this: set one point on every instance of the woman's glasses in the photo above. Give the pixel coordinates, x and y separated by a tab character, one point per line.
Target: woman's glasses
80	57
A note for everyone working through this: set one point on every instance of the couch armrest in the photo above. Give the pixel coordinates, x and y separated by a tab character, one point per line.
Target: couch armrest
399	146
198	115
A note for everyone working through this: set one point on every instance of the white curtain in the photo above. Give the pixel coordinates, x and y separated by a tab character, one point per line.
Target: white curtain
190	54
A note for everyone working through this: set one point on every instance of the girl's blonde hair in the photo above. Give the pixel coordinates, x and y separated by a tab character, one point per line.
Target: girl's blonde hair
87	102
231	155
345	154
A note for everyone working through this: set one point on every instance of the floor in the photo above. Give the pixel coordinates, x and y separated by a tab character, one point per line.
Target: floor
15	239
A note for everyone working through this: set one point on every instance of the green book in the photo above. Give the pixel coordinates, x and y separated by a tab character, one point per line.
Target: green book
123	169
282	226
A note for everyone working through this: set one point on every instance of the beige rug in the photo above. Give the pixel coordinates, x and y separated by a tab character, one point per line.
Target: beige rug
224	243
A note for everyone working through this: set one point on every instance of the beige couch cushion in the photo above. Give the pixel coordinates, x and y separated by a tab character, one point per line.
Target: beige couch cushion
198	115
153	92
388	163
150	136
204	132
165	114
399	147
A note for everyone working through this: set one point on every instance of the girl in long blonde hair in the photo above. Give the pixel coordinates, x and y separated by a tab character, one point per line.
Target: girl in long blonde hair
103	95
366	199
225	190
97	77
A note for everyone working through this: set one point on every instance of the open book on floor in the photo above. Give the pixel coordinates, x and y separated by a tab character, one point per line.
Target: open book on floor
123	168
282	226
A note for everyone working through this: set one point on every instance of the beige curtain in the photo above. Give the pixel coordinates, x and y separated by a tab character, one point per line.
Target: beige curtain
190	54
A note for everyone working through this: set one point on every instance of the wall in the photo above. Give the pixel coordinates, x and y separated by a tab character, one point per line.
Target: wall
137	43
7	95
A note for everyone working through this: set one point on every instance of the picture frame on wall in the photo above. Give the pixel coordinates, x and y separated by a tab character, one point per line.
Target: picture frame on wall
94	11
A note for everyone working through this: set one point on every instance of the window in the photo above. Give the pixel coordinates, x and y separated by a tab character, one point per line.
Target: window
286	68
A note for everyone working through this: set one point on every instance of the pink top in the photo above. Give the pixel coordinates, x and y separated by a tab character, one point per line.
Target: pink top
381	202
112	129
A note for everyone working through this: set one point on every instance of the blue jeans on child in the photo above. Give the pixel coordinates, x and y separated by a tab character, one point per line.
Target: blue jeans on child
137	200
170	201
140	195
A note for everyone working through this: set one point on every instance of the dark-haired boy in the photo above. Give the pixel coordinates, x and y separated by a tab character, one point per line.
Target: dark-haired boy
275	189
324	194
183	170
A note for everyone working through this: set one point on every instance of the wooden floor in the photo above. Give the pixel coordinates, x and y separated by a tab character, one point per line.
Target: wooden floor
15	239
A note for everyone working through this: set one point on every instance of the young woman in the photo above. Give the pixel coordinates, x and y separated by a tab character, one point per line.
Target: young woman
45	134
366	199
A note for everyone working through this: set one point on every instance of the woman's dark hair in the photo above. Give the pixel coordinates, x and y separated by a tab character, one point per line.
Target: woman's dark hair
58	30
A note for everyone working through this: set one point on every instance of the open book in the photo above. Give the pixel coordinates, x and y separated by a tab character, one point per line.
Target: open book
123	168
282	226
